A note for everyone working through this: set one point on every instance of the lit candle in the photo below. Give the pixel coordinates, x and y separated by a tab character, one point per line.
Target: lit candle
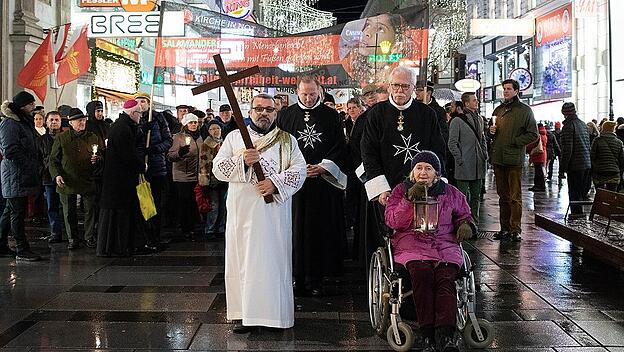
188	140
106	142
94	149
493	120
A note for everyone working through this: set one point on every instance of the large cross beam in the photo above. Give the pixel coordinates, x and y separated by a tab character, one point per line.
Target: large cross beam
226	81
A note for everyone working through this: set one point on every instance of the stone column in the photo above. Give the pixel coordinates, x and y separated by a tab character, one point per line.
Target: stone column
25	38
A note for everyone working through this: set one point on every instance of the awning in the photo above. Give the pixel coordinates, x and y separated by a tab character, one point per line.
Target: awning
113	94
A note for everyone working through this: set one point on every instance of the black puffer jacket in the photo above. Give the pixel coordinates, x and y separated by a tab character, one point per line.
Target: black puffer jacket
607	155
575	147
20	166
160	142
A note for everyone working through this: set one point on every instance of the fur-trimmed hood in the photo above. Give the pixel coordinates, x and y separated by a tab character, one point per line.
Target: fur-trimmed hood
7	112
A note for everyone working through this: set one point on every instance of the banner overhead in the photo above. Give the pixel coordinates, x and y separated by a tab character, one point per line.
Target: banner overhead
353	54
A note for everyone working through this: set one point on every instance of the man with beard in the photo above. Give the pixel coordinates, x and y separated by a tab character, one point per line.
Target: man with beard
96	122
318	221
396	130
156	175
20	178
258	238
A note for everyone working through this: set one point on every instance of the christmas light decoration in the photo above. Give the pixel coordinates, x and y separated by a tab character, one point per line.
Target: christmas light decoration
294	16
448	30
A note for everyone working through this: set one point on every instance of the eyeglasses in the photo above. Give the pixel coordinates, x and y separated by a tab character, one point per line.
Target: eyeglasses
397	86
259	109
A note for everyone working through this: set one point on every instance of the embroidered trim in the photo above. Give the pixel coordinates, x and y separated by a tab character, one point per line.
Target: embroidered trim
227	167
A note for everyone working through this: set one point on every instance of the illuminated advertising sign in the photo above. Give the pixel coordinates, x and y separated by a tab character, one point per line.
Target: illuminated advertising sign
127	5
555	25
237	8
129	24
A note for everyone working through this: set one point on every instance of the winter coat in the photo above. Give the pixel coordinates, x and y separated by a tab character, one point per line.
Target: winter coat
71	158
441	114
607	156
541	157
185	168
19	168
123	164
575	147
208	150
440	246
99	127
160	142
515	128
552	146
469	150
619	132
44	147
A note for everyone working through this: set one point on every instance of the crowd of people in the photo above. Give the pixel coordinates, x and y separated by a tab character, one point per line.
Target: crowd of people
323	173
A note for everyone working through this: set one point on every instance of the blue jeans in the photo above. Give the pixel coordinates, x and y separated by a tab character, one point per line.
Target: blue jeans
215	219
54	215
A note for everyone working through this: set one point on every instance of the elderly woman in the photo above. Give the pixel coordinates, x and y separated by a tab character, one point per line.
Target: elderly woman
184	154
215	218
432	259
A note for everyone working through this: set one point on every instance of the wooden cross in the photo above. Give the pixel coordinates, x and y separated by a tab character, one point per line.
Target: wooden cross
226	81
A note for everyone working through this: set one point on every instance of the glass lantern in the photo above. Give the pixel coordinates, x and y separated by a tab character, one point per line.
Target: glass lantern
426	214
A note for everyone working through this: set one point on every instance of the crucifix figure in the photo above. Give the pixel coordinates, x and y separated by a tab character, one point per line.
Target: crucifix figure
226	81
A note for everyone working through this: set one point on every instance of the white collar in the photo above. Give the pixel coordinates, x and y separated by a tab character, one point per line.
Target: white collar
401	107
318	102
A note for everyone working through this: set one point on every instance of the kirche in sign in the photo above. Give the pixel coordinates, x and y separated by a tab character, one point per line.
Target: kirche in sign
237	8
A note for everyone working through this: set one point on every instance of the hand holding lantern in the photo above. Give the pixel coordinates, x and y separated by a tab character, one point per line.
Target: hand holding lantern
425	213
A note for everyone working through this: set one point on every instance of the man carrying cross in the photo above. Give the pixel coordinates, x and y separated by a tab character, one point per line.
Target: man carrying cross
264	167
258	236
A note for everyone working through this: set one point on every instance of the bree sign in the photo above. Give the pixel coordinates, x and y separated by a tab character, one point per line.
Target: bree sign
120	24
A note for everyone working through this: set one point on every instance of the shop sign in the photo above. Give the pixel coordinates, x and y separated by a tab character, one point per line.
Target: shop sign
385	57
112	48
237	8
129	24
504	27
585	8
505	42
555	25
127	5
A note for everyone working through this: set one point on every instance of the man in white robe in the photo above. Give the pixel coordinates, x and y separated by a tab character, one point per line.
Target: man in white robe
258	236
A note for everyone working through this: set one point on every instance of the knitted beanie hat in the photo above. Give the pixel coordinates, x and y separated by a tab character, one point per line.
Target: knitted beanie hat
428	157
22	99
568	109
188	118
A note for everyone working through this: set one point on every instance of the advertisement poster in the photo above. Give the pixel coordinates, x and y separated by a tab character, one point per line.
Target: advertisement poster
353	54
553	55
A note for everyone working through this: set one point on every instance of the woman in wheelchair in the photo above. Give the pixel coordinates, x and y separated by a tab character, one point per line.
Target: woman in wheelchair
432	259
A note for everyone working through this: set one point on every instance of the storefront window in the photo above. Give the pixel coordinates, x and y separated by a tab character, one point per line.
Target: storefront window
511	64
489	72
524	56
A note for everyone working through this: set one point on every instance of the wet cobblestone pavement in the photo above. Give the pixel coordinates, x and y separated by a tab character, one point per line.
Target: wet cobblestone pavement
541	294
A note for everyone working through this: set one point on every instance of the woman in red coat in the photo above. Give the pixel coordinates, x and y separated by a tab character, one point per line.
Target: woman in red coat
537	157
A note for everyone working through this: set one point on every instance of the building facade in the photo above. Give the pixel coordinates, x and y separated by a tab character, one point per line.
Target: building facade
22	24
566	60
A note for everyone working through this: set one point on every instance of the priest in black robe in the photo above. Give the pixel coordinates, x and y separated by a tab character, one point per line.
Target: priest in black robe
319	237
396	130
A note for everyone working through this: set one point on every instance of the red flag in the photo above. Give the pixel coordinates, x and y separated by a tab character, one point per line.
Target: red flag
77	59
34	75
60	40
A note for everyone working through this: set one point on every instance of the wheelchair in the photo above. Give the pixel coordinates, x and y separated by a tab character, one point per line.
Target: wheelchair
389	288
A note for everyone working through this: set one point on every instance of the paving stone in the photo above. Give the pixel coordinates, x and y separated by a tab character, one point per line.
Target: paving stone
606	333
167	302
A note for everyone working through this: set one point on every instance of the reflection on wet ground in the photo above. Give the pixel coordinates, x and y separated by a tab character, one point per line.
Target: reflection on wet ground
542	294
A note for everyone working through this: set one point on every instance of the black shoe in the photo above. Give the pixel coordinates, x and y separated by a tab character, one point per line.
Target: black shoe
316	292
27	255
531	188
91	243
239	328
516	237
6	252
73	244
501	235
54	239
427	345
445	337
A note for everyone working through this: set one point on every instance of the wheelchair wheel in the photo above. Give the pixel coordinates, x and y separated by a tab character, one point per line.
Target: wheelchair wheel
461	286
378	291
471	336
406	336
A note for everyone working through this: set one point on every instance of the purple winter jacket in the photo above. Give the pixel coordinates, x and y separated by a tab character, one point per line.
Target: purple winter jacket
440	246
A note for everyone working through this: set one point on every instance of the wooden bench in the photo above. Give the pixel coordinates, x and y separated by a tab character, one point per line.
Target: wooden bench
602	234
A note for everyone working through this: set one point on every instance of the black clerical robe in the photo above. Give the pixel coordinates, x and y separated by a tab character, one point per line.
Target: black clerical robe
319	237
387	153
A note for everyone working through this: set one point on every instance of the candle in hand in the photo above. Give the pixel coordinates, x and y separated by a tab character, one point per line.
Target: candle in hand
94	149
187	140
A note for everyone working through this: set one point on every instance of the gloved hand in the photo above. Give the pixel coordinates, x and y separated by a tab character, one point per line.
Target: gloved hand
416	192
464	232
184	150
